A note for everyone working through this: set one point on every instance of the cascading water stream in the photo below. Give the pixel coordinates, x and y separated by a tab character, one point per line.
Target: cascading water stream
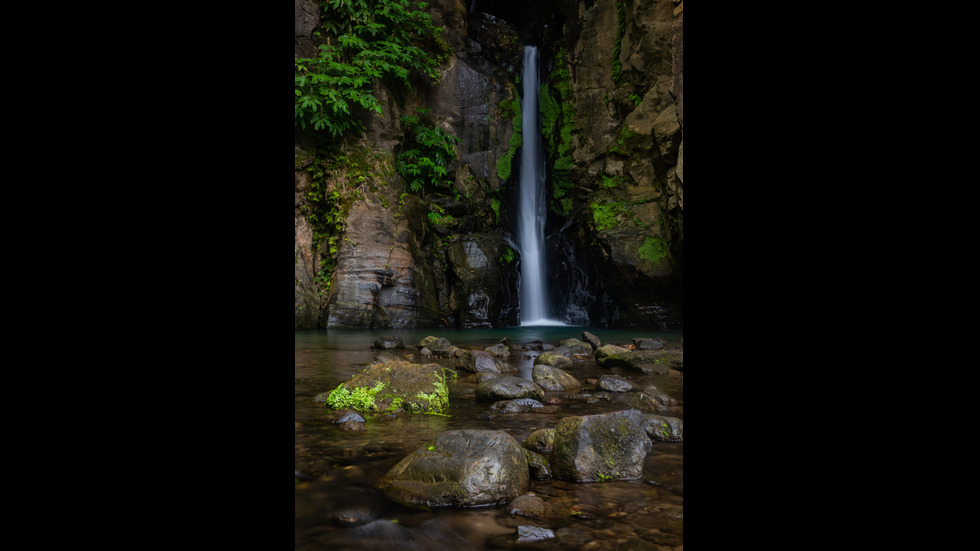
532	208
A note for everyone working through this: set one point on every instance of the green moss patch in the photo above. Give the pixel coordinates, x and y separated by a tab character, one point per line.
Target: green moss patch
394	386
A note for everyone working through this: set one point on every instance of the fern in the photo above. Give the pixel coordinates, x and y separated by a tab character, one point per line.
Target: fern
386	40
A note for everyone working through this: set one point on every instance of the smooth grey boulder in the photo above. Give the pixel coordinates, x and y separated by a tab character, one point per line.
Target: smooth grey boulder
614	383
479	361
508	387
460	468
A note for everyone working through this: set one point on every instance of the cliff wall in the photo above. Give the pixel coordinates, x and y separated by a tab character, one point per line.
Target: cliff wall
371	252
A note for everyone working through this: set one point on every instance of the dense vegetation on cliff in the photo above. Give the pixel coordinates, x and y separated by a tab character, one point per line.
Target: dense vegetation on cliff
408	127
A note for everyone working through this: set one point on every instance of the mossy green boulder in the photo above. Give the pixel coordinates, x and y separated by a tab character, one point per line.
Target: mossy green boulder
394	386
599	448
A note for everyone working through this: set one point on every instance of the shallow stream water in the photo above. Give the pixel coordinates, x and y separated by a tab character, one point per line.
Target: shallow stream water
337	506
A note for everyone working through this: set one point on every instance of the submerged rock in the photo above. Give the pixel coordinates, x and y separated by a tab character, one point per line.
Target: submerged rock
387	343
460	468
533	533
520	405
531	506
394	386
614	383
597	448
508	387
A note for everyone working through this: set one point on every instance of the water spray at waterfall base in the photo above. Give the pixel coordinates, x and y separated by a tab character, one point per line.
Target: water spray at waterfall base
532	208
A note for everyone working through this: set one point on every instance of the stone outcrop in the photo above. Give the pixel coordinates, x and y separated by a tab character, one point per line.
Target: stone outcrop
620	244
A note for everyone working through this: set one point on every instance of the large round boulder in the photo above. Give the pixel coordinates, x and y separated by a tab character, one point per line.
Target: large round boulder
598	448
460	468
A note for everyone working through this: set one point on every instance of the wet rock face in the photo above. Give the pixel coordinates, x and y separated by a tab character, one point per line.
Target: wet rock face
594	448
381	278
461	468
620	253
482	294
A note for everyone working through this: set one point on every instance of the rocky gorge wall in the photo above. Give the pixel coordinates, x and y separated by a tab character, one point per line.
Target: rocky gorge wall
612	119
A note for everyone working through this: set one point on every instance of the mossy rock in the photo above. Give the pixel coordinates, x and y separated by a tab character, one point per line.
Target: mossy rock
394	386
645	361
599	448
460	468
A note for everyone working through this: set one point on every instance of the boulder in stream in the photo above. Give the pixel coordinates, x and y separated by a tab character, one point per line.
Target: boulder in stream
394	386
480	361
439	346
664	428
554	359
645	361
460	468
554	378
599	448
508	387
389	342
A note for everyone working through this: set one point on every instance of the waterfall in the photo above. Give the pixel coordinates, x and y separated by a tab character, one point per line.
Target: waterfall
532	208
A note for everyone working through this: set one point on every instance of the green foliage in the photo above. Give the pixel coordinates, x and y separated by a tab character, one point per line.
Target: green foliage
561	173
550	113
611	181
360	399
507	257
653	249
428	155
437	218
626	141
386	40
505	163
605	214
617	66
495	205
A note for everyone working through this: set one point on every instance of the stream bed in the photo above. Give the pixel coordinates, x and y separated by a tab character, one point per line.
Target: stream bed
337	506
